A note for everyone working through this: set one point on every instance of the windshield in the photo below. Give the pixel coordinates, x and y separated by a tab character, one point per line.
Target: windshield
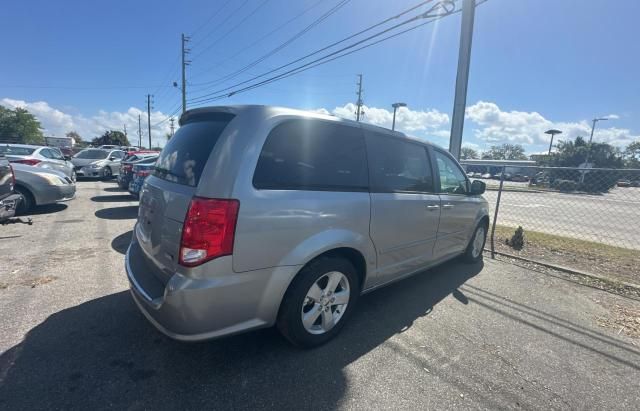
16	151
92	154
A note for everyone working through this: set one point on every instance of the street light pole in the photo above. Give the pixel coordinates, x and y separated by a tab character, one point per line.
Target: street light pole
552	132
396	106
593	128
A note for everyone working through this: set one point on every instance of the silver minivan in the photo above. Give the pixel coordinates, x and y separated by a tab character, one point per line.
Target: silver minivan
257	215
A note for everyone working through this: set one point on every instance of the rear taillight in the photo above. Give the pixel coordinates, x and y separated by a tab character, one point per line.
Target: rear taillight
208	230
143	173
27	161
127	167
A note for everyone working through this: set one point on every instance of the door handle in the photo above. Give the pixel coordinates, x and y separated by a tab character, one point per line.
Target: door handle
433	207
447	206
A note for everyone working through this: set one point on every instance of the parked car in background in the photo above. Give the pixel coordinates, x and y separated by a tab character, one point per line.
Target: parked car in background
109	147
39	156
257	215
519	178
126	170
486	175
95	162
623	183
37	186
8	199
139	174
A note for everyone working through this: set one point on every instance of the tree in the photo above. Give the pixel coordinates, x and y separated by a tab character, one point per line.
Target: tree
467	153
74	135
631	155
111	137
20	126
505	151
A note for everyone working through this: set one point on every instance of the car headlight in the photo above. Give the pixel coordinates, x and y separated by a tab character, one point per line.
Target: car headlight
53	179
96	166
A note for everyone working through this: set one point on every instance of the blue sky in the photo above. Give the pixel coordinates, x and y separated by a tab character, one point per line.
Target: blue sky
535	64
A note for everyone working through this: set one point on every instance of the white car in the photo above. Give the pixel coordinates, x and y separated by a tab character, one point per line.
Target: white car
38	156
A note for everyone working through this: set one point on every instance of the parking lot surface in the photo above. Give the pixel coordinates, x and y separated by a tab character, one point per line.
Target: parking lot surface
493	336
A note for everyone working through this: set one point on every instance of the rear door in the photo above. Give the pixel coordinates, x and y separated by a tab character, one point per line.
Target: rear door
405	210
459	210
50	160
167	193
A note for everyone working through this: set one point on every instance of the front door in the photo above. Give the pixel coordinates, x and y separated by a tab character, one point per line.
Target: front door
459	210
405	209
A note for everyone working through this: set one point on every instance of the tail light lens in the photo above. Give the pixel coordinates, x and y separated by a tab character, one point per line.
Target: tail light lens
143	173
27	161
208	230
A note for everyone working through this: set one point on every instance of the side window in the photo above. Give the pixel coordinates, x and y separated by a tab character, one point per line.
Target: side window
398	166
117	154
45	152
313	155
56	154
452	179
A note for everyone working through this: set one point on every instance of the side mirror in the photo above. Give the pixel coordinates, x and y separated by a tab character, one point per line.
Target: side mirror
112	158
477	187
67	158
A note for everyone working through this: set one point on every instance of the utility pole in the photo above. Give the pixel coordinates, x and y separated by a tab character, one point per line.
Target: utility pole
185	63
462	78
552	132
125	130
149	117
360	101
139	132
171	120
396	106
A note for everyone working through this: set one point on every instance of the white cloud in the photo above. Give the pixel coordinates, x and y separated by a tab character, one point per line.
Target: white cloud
57	123
527	128
613	116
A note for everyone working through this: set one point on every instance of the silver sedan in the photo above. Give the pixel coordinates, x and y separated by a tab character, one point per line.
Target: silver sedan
37	186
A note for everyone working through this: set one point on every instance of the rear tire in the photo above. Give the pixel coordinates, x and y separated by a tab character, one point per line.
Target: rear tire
313	295
27	202
473	253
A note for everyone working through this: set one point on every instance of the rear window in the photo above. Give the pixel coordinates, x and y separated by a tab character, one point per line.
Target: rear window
185	155
16	151
313	155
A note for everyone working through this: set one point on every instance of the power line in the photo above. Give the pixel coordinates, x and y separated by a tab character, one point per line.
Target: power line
210	19
78	87
309	27
258	40
238	24
226	19
446	5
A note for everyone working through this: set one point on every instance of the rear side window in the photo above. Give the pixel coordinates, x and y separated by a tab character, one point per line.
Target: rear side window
185	155
398	166
313	155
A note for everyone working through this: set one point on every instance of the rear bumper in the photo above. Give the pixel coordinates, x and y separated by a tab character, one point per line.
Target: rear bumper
190	309
8	206
90	172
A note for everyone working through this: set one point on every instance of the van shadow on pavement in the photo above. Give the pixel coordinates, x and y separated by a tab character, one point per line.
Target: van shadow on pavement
104	353
121	242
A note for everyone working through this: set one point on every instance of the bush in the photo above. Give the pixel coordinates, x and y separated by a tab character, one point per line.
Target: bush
565	185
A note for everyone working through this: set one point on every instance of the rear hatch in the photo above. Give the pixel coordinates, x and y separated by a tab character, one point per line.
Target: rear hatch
167	193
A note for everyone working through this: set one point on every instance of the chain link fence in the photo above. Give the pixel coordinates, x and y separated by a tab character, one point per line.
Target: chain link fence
584	219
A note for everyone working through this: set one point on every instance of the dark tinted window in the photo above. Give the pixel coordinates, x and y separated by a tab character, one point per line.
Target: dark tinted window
185	155
16	151
45	152
313	155
398	166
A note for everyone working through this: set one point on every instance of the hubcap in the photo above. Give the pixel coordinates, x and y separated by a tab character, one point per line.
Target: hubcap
325	302
478	242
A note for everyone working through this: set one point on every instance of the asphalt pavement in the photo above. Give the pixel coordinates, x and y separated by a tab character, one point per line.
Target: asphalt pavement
612	218
486	336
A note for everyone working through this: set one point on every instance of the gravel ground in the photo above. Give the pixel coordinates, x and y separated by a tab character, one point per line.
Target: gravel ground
491	336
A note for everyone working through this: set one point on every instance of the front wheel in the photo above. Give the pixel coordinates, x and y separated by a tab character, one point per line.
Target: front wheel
319	302
473	253
107	174
26	202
